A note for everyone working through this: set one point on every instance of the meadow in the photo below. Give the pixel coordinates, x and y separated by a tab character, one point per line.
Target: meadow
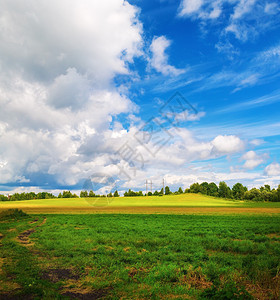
141	257
196	247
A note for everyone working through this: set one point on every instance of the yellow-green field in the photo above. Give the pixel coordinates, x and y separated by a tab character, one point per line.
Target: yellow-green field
185	203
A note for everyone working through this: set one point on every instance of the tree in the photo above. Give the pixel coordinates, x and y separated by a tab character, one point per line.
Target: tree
266	195
238	191
3	198
91	194
203	188
267	187
254	195
213	189
195	188
161	191
167	190
224	191
83	194
150	194
156	193
110	195
180	191
116	194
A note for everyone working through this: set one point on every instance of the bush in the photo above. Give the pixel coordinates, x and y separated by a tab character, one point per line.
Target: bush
12	214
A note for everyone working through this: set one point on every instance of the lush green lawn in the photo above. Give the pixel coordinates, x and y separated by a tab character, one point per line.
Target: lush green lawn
142	257
77	204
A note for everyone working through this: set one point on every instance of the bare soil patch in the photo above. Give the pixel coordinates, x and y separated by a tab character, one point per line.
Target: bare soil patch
56	275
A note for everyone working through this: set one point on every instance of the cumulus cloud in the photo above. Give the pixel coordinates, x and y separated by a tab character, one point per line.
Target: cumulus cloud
57	62
227	144
252	160
272	169
159	59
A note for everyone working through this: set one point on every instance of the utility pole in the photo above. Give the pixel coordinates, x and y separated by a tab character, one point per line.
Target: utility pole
163	186
151	186
146	186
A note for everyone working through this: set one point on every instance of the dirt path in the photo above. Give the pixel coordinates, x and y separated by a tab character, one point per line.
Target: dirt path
23	238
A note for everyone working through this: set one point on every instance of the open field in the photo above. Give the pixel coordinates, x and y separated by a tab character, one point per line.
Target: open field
122	256
179	204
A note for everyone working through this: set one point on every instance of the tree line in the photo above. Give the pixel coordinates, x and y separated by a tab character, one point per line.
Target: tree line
238	192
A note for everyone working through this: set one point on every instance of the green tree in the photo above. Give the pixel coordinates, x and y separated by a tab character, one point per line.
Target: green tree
91	194
180	191
213	189
203	188
238	191
254	195
167	190
224	191
195	188
83	194
3	198
116	194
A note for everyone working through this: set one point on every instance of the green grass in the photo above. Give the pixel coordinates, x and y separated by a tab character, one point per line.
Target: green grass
145	256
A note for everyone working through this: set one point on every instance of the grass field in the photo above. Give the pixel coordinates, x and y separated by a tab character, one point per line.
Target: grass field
122	256
173	247
185	203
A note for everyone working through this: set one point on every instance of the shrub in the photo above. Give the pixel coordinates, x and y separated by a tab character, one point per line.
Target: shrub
12	214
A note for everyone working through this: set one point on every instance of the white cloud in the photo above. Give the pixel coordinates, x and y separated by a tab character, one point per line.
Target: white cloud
242	8
273	169
271	8
57	62
201	9
252	160
159	59
243	18
257	142
227	144
190	6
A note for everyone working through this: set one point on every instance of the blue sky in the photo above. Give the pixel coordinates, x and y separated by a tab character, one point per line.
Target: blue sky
84	85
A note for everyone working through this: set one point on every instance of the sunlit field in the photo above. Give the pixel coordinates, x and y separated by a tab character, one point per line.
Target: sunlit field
185	203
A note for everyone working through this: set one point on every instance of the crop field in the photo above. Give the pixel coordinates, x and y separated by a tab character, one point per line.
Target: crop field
140	256
178	204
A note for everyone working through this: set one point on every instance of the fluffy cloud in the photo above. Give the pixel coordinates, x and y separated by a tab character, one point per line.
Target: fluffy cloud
57	62
227	144
273	169
252	160
159	59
